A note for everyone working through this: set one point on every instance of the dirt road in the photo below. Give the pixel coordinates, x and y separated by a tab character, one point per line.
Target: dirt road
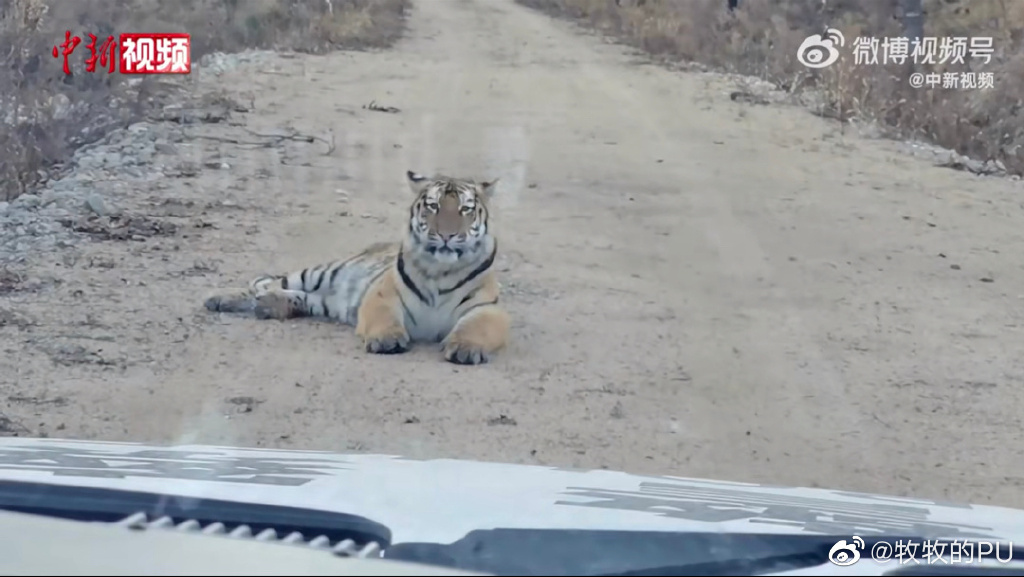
700	287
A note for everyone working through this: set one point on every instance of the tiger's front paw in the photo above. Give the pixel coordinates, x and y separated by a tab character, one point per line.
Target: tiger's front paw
462	353
390	344
477	338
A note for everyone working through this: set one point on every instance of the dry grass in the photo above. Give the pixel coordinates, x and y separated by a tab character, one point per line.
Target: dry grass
762	36
45	115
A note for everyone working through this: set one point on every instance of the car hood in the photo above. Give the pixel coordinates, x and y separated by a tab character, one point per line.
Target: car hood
440	501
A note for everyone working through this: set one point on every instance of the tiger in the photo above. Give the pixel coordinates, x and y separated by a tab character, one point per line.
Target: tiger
437	284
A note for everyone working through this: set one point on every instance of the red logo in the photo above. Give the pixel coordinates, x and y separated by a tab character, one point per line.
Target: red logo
139	53
66	49
107	55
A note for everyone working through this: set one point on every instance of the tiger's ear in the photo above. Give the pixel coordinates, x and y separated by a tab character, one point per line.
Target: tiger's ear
488	188
417	182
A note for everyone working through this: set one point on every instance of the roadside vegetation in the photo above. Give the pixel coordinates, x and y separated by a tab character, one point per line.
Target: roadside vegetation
761	37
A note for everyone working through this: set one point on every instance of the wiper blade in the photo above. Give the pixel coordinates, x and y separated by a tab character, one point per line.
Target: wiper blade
602	553
915	562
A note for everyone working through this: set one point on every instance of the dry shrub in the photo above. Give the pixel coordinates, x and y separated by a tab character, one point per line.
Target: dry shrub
761	38
45	115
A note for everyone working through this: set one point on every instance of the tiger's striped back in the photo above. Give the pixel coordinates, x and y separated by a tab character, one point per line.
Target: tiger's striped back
341	284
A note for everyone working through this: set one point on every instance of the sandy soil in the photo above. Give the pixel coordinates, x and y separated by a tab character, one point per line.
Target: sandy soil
700	287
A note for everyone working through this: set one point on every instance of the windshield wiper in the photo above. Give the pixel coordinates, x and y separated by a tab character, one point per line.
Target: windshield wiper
602	553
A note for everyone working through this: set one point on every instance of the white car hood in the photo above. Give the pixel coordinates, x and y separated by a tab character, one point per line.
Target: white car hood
439	501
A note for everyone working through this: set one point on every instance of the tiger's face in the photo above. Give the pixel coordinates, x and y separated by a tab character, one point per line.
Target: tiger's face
449	216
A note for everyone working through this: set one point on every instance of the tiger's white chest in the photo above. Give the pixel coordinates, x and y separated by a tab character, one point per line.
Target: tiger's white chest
439	287
431	324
